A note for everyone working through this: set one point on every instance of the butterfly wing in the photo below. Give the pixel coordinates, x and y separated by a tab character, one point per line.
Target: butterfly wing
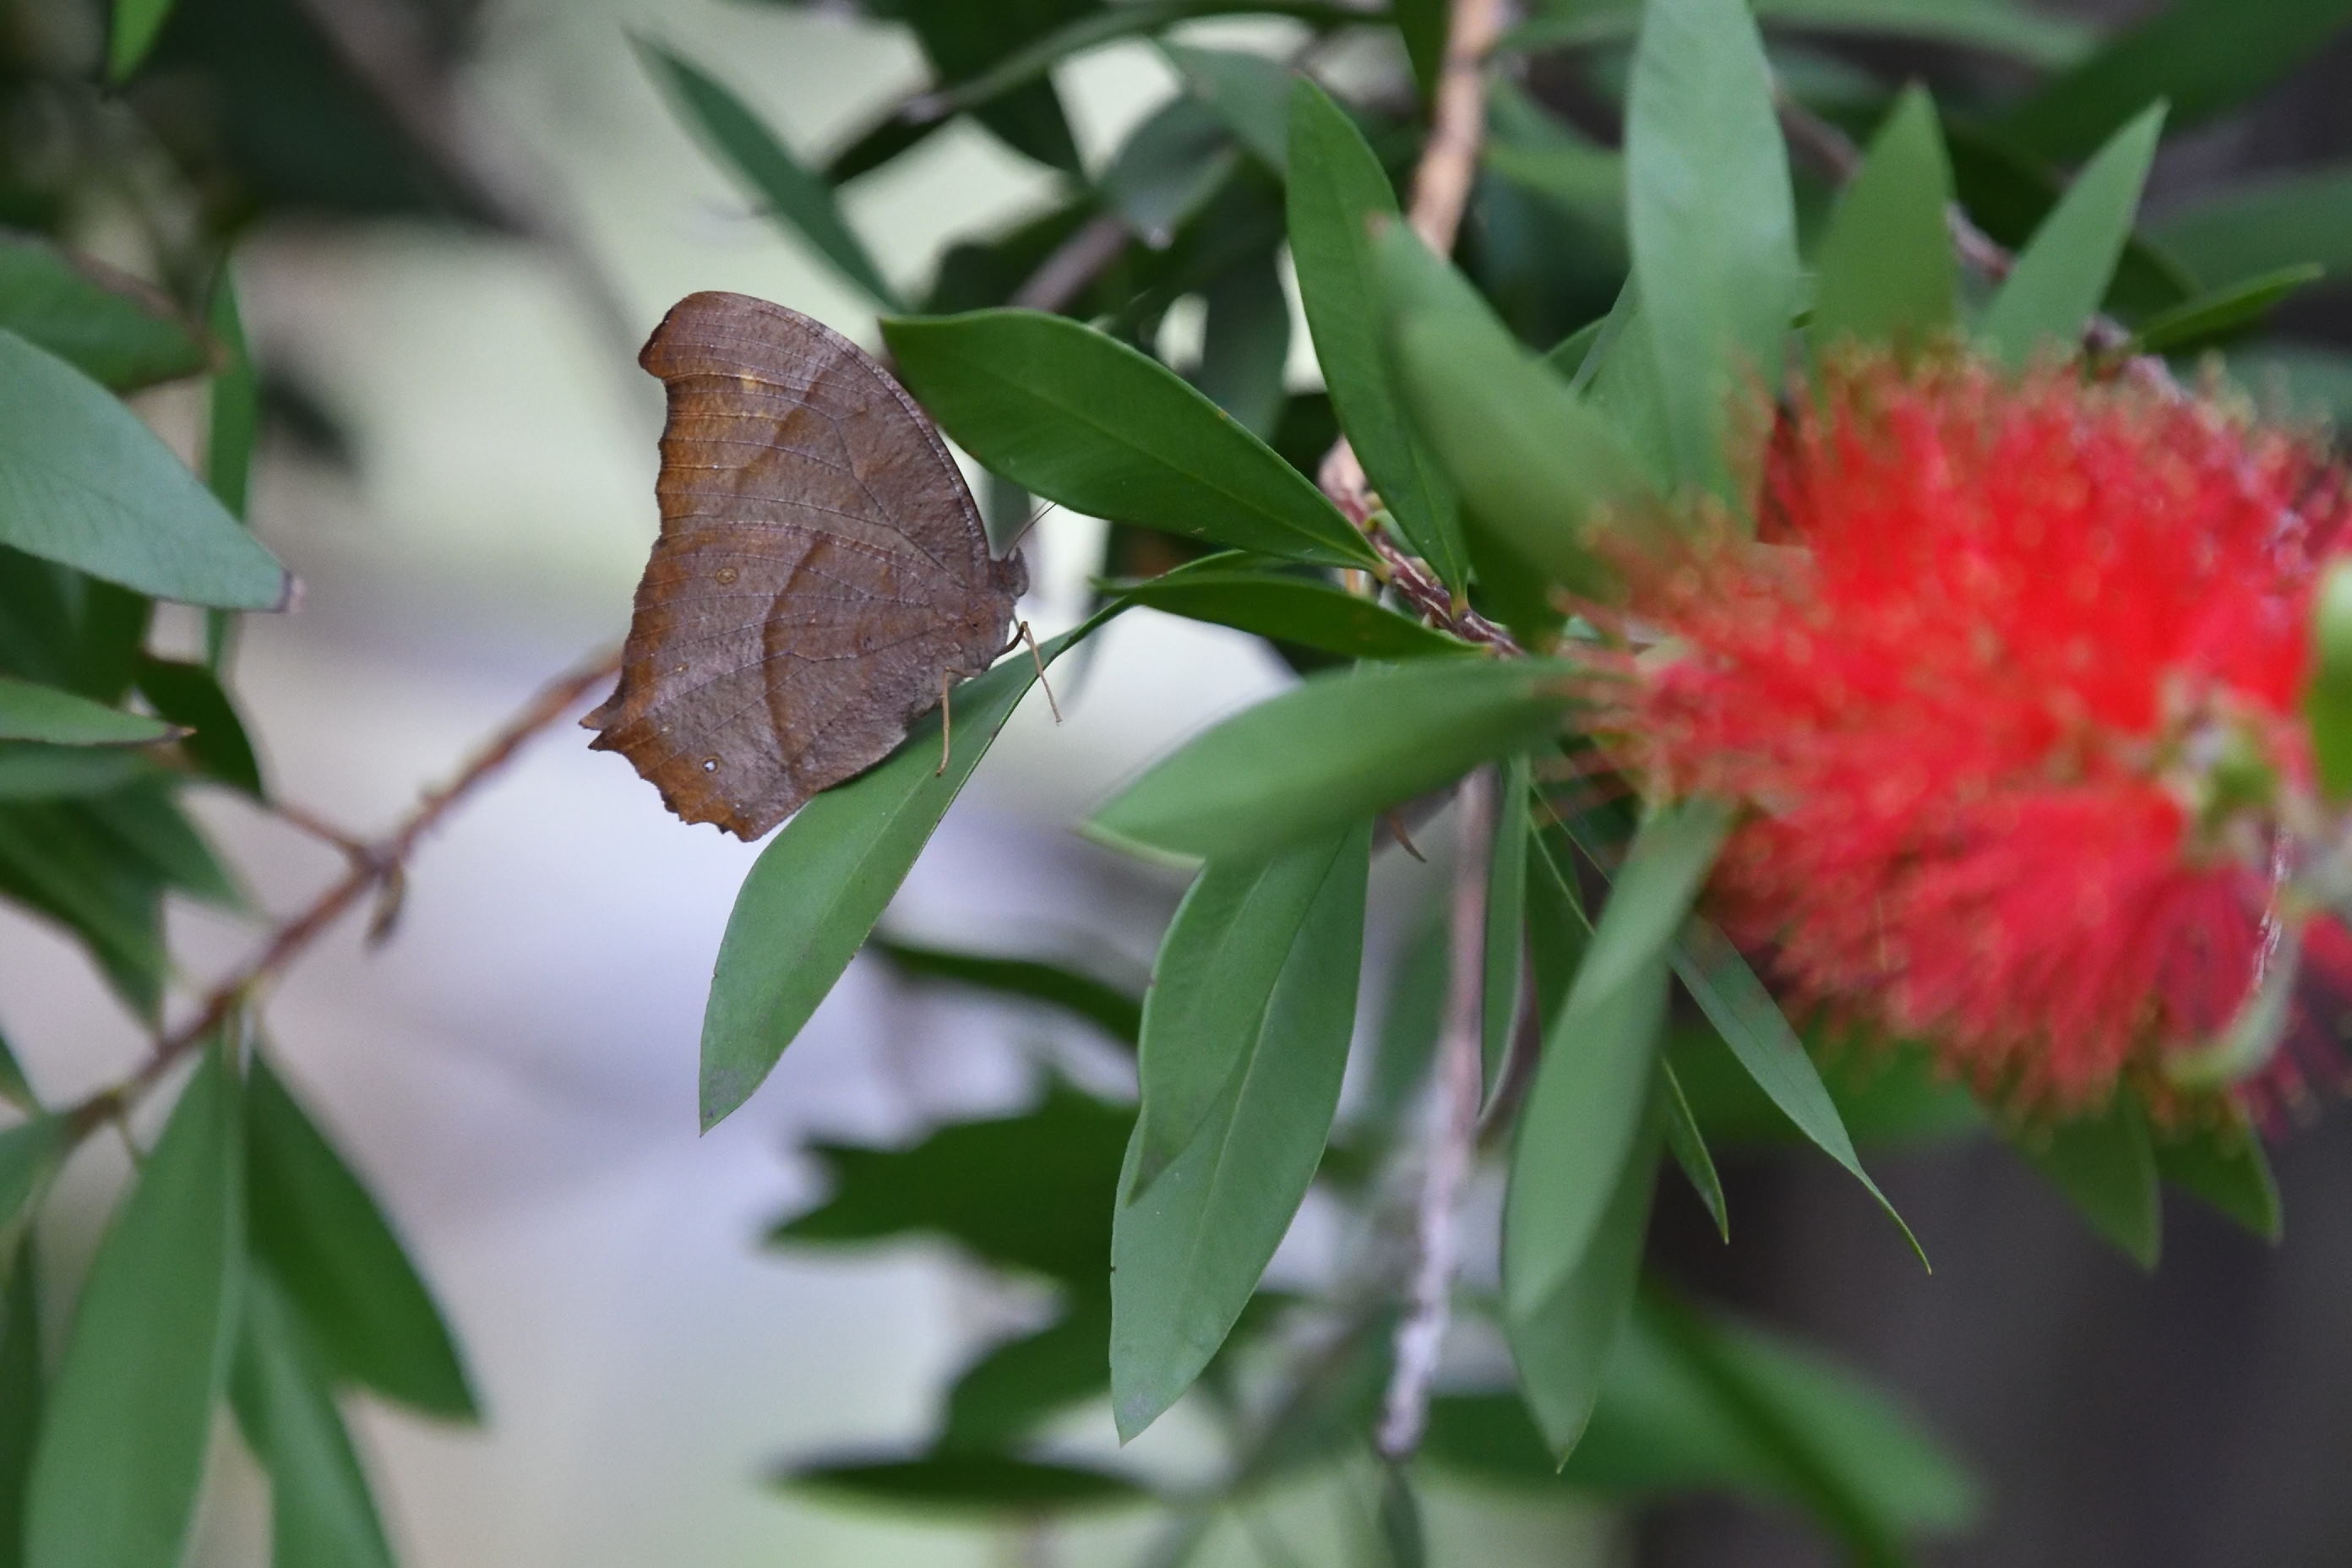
821	570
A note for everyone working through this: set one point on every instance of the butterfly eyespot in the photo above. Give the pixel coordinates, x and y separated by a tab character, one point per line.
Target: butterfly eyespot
711	764
727	575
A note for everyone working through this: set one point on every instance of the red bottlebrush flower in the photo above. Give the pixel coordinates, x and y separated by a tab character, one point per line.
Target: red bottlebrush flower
2009	723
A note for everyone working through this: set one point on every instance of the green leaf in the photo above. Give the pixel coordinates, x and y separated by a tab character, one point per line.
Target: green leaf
30	712
321	1513
2105	1165
323	1237
63	629
822	882
1247	91
962	40
2225	1167
1533	464
2062	273
191	695
1688	1146
1107	1007
2000	26
1339	185
136	24
1187	1251
1342	746
1169	167
1410	1014
1082	419
117	329
122	1450
13	1087
765	167
1753	1026
2205	56
1505	943
1423	24
143	826
1243	926
29	772
53	862
30	1152
1885	267
1245	342
2264	225
1712	222
21	1401
83	483
1305	611
2223	313
1008	1393
967	1483
1033	1191
235	420
1404	1542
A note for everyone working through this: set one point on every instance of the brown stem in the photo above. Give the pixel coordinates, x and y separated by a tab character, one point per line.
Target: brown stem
1078	261
1454	1136
371	866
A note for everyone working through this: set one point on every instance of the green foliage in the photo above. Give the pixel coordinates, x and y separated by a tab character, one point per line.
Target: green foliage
2064	272
113	328
2104	1163
1886	266
321	1509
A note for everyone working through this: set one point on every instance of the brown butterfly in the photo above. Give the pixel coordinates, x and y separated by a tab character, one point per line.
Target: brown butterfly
820	580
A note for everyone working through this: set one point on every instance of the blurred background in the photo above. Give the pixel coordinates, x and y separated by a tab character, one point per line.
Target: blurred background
459	468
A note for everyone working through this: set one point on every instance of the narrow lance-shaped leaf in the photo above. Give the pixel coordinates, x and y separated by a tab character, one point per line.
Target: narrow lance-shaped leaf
2062	273
1107	1006
1187	1251
30	712
117	329
15	1088
1711	217
2225	1167
136	24
327	1243
1250	92
1245	342
1885	267
321	1512
2105	1165
766	167
84	483
1688	1146
987	1485
1506	914
1082	419
2327	700
30	1152
1303	611
2222	313
122	1450
1343	745
1168	169
232	428
22	1398
192	695
1338	186
822	882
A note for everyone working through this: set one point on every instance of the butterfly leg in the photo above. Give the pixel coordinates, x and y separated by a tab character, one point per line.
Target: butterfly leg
947	722
1026	635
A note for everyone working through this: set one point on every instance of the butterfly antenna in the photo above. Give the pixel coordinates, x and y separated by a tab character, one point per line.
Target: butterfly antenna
946	725
1039	659
1034	518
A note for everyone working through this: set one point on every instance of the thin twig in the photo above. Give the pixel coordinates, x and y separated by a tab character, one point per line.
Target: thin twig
377	865
1419	586
1454	1132
1077	262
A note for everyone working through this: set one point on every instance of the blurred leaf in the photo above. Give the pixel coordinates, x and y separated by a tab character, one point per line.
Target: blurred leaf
21	1401
2295	380
116	328
963	39
2205	56
1244	343
83	483
819	886
2064	272
30	712
1342	746
143	824
2262	225
1710	213
2003	27
192	695
1216	993
974	274
1082	419
136	22
765	167
1885	267
1303	610
30	1152
1422	24
1504	941
234	416
1188	1250
1247	91
968	1483
1687	1144
1017	1385
2105	1165
62	628
1751	1023
1411	1017
56	864
1402	1538
1107	1007
323	1237
1169	167
1338	187
14	1089
1546	158
32	771
321	1514
122	1452
2225	1167
2223	313
1533	463
1884	1094
1032	1191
